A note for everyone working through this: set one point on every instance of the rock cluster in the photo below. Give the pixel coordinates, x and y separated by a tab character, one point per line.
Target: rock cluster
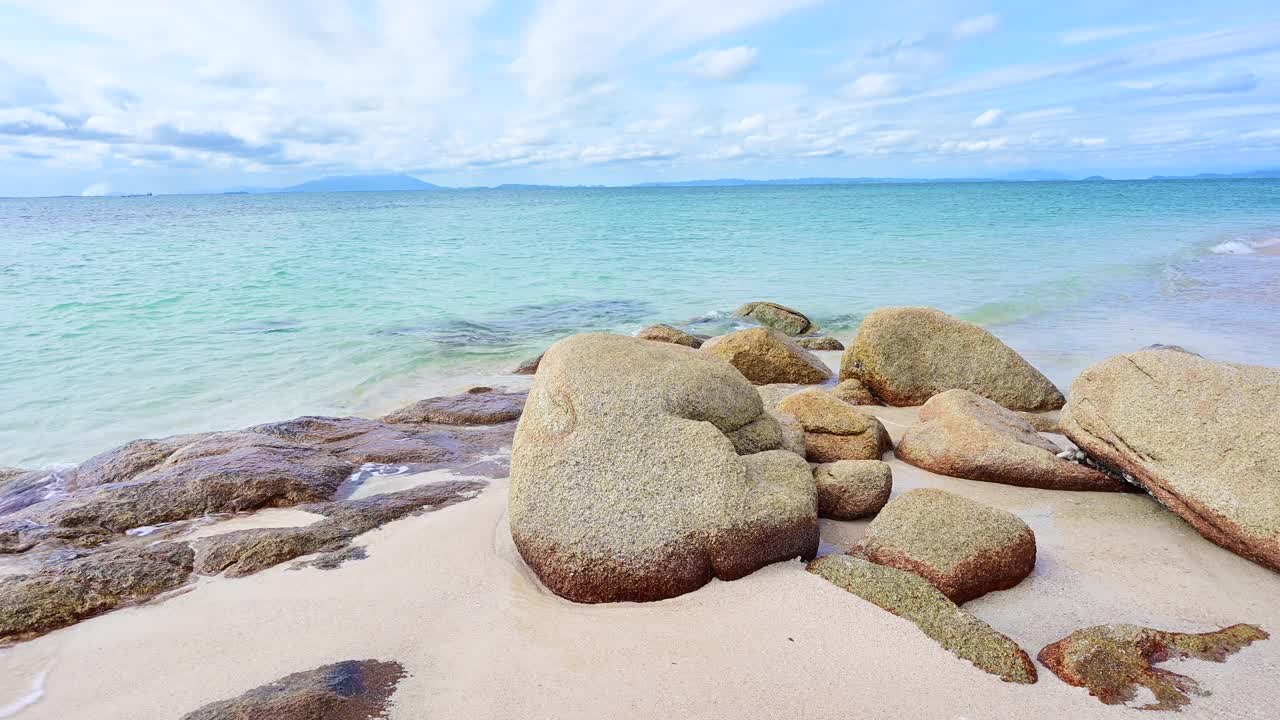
766	356
834	429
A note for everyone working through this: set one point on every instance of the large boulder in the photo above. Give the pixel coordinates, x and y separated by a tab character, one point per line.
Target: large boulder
1200	436
906	355
766	356
834	429
912	598
852	489
1113	661
342	691
626	483
665	333
964	548
968	436
778	317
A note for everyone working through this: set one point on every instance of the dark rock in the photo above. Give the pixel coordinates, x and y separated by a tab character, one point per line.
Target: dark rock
479	406
334	559
1113	661
349	690
778	317
528	367
668	334
820	342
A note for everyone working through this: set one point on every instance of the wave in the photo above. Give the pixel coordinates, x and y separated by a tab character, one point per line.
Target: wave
1244	247
26	701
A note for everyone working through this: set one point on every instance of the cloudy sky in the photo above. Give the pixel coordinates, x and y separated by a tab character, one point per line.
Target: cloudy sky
133	96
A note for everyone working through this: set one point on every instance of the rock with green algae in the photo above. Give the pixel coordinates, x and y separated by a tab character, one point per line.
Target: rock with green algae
964	548
348	690
668	334
906	355
834	429
627	478
765	356
1113	661
778	317
910	597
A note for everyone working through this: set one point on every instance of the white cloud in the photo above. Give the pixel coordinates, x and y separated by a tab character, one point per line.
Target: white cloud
745	126
975	27
875	85
990	118
1088	142
29	118
97	189
1080	36
1044	114
728	64
1182	86
973	146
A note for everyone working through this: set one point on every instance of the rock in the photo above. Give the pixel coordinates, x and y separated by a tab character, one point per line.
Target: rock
8	473
778	317
767	356
360	441
906	355
1042	422
64	592
773	394
349	690
833	429
245	552
964	548
851	489
1200	436
1113	661
528	367
477	406
854	392
668	334
626	484
910	597
792	433
820	342
968	436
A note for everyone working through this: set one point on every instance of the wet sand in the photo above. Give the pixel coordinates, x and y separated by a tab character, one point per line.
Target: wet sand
447	595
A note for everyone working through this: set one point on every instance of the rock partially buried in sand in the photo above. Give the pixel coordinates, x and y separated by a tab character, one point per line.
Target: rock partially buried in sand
349	690
821	342
1200	436
833	429
964	548
767	356
1113	661
906	355
908	596
851	489
668	334
625	484
477	406
778	317
854	392
968	436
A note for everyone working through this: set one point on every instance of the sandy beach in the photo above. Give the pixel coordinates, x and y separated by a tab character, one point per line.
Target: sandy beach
447	595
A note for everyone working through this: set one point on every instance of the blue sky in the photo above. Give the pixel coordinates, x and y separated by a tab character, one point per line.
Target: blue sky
178	97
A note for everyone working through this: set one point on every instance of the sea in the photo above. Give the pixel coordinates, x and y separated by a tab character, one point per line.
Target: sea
129	317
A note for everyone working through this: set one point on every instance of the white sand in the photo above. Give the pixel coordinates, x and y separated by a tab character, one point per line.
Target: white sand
268	518
446	594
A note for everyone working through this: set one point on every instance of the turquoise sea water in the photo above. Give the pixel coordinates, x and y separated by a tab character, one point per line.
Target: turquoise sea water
135	317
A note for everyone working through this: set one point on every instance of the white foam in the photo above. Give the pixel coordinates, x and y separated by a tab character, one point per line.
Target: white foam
1243	247
26	701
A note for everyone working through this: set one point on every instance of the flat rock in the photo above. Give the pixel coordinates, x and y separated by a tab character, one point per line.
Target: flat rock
626	484
912	598
820	342
349	690
964	548
1113	661
906	355
665	333
965	435
854	392
852	489
477	406
765	356
833	429
1200	436
778	317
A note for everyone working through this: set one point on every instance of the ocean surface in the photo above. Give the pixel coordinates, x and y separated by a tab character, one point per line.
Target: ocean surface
144	317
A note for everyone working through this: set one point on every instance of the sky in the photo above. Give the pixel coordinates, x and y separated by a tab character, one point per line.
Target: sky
202	95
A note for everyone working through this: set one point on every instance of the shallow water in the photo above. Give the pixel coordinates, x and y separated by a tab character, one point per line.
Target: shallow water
131	317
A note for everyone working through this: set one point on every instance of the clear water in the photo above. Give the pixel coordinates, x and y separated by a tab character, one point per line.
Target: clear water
136	317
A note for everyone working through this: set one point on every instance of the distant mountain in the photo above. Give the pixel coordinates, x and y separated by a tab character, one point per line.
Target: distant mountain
362	183
1094	178
740	182
1252	174
1036	176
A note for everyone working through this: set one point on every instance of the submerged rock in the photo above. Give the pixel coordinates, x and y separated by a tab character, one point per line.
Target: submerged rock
66	591
349	690
766	356
851	489
1113	661
477	406
906	355
528	367
626	483
1200	436
965	435
665	333
854	392
910	597
820	342
778	317
833	429
964	548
